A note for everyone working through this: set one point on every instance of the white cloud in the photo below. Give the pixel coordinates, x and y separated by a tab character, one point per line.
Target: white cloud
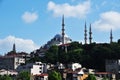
79	11
29	17
108	20
22	45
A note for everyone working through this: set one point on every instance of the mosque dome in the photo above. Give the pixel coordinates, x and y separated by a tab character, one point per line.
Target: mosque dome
57	40
58	36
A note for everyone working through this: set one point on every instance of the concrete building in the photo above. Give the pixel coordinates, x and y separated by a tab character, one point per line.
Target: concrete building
41	77
34	68
102	75
74	72
78	74
8	72
113	66
38	68
74	66
11	62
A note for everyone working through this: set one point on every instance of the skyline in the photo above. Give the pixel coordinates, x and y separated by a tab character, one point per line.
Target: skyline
30	24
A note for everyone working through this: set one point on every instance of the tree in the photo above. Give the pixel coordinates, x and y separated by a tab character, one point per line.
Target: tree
75	55
74	45
91	77
63	58
89	55
118	41
54	76
99	54
51	55
23	75
105	78
5	77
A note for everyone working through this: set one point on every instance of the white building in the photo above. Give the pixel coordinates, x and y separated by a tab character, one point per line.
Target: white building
34	68
74	66
37	68
8	72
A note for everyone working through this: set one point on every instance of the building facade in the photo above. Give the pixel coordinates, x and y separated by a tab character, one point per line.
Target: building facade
113	66
11	62
36	68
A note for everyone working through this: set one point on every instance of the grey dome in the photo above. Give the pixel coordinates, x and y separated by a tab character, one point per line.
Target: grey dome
57	40
58	36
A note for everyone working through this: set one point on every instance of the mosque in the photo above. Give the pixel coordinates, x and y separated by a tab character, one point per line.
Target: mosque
63	39
59	39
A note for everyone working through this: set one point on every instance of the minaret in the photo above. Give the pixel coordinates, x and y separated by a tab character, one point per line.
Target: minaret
85	34
90	35
111	36
14	48
63	30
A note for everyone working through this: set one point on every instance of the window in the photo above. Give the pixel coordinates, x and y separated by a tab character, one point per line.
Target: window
40	68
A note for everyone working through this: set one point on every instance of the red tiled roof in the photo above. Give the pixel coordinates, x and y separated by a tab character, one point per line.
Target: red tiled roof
12	55
103	73
41	75
67	44
71	71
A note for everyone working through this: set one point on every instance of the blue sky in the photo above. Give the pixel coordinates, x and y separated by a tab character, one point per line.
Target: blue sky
31	23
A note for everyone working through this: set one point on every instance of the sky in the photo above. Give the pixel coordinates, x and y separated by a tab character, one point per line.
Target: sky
31	23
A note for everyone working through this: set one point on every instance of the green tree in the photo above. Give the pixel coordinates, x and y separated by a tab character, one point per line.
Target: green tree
75	55
91	77
99	54
105	78
74	45
89	55
63	58
54	76
5	77
51	56
23	75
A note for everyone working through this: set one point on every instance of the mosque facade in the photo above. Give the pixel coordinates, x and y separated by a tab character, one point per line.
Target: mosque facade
59	39
63	39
